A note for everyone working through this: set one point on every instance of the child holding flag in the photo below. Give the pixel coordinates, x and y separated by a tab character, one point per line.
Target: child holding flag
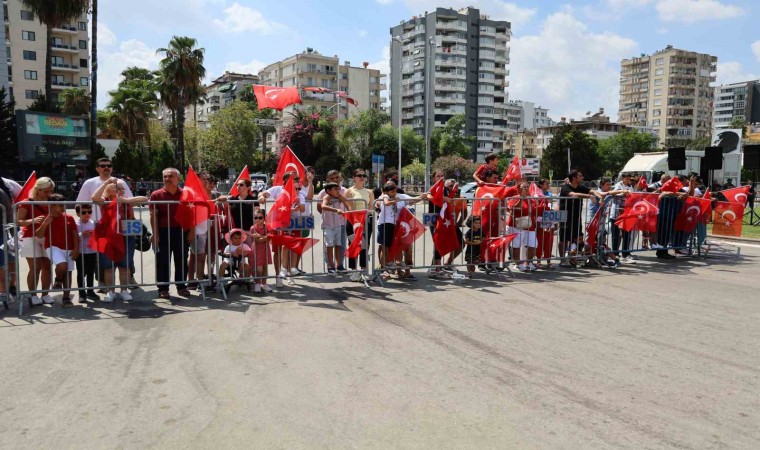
59	230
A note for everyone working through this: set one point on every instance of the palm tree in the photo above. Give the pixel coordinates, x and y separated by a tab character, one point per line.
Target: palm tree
133	103
182	72
54	14
75	101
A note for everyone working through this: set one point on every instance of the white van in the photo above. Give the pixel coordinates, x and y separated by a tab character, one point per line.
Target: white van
654	164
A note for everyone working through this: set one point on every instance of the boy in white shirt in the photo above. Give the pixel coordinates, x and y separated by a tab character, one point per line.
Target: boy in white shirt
87	263
333	207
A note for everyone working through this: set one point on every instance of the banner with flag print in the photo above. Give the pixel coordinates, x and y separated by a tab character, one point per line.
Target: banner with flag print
727	219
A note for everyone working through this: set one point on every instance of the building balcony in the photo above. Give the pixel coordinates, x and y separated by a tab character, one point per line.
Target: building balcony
67	29
63	84
64	48
65	67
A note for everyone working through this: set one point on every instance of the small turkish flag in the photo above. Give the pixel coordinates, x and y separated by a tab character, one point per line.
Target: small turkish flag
592	230
437	193
357	219
279	214
350	100
27	189
727	219
513	172
105	237
244	175
445	236
672	185
692	212
275	97
408	229
640	213
642	185
491	194
494	246
297	245
737	195
289	162
194	203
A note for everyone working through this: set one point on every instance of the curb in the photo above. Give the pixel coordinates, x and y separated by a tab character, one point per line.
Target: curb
737	239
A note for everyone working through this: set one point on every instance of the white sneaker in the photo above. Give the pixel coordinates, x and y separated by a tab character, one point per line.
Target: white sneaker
110	297
36	301
283	273
279	283
265	288
257	288
126	296
294	272
48	300
629	260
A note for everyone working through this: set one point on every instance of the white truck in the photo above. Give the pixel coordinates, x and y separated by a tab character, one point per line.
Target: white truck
654	164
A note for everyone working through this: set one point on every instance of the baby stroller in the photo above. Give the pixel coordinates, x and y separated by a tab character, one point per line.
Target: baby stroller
231	271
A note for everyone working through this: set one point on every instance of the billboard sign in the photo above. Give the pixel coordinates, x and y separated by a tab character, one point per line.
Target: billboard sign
52	138
530	166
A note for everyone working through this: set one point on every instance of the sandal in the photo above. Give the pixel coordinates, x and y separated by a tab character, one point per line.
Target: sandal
66	302
163	294
183	292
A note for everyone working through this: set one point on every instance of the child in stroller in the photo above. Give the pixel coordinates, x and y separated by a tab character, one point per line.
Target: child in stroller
235	256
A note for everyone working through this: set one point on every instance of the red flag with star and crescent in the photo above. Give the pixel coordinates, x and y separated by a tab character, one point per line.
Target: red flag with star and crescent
279	215
27	189
513	172
244	175
592	230
737	195
672	185
436	193
493	247
357	219
298	245
640	213
692	212
445	236
289	162
408	229
487	191
642	184
194	202
276	97
105	237
727	219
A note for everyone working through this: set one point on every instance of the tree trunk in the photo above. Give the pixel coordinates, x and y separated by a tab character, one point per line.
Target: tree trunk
264	147
94	80
48	69
181	130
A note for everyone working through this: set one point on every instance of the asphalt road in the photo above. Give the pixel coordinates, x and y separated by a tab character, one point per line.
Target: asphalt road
656	355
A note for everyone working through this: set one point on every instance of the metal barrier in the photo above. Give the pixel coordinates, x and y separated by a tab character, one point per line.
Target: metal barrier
7	260
558	229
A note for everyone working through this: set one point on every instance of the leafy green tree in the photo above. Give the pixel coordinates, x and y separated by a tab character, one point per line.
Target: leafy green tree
414	170
133	104
161	158
246	95
131	160
100	152
584	154
300	134
8	142
450	139
75	101
739	123
617	150
455	166
231	136
40	104
182	72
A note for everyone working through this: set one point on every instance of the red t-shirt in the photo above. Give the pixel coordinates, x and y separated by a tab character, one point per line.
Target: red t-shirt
481	170
61	233
32	211
164	213
523	208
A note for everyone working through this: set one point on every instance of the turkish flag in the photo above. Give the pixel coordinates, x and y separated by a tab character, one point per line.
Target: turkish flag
672	185
289	162
737	195
592	230
707	216
297	245
491	191
494	246
244	175
642	185
194	203
27	189
318	90
640	212
408	229
445	236
105	237
727	219
692	212
350	100
513	172
357	219
437	193
279	215
275	97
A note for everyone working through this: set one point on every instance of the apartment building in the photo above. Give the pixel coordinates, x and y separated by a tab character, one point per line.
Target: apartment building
219	93
597	125
737	100
450	62
522	115
25	54
312	69
670	92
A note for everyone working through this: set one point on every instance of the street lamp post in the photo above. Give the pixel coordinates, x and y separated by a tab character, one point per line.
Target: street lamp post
400	42
428	97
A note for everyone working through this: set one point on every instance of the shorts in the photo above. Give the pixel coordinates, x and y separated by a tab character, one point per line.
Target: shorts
32	247
199	246
524	238
60	256
333	236
385	233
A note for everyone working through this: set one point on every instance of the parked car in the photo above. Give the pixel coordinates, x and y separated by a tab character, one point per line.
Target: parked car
468	190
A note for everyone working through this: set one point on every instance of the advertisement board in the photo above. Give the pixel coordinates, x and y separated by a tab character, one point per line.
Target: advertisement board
52	138
530	166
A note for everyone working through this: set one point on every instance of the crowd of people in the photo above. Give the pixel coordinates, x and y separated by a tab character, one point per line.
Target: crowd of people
237	238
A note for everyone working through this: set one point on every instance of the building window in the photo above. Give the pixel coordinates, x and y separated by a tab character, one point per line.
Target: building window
656	112
57	41
82	62
30	74
658	92
84	81
82	26
30	55
31	94
656	123
28	35
56	60
82	44
27	15
659	61
657	102
658	82
57	79
658	72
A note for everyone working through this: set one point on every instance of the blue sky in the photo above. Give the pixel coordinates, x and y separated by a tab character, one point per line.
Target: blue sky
565	56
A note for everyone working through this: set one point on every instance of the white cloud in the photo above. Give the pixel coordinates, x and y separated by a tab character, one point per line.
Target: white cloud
105	35
238	18
251	67
496	9
733	72
689	11
112	62
756	49
384	2
384	64
567	68
363	33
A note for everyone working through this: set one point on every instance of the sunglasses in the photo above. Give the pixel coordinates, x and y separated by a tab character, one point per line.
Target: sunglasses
85	212
105	166
361	175
259	217
296	179
242	185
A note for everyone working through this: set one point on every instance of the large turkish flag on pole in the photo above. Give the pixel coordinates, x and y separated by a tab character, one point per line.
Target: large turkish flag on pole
276	97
